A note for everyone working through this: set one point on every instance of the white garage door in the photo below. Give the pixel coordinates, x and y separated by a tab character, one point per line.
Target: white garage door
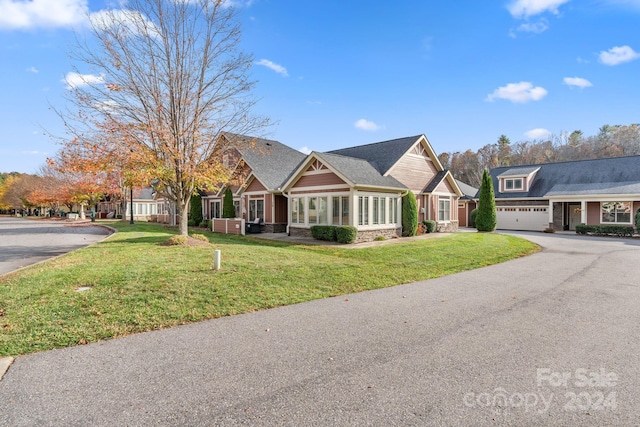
533	218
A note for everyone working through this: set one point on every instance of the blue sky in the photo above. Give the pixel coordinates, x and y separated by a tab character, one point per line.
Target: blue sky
335	73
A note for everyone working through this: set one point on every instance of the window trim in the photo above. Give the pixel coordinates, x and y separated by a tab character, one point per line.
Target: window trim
615	212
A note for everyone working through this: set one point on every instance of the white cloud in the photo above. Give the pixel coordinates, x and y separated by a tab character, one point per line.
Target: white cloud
618	55
538	133
305	150
131	21
74	80
33	70
518	92
19	14
526	8
536	27
364	124
577	81
273	66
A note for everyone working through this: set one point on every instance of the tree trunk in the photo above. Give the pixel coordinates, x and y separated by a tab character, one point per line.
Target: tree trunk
183	217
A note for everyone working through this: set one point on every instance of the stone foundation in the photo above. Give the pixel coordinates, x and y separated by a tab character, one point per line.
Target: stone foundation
370	235
274	228
447	227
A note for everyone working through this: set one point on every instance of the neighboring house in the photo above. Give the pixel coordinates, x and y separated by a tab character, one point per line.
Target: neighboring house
359	186
562	195
466	204
261	166
147	206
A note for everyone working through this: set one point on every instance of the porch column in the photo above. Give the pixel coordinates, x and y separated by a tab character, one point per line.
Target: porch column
583	212
550	213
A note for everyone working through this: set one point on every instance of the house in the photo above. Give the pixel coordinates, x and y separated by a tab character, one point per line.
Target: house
363	186
466	204
358	186
562	195
147	206
261	166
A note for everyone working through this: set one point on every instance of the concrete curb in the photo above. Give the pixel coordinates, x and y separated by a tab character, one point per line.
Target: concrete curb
5	362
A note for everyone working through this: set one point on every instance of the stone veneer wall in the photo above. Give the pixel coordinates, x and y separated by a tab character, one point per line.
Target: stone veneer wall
558	219
363	236
274	228
447	227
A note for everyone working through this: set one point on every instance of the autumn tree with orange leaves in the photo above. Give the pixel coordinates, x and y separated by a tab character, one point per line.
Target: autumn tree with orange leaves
171	81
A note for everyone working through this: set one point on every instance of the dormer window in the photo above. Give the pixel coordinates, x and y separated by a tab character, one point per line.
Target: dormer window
513	184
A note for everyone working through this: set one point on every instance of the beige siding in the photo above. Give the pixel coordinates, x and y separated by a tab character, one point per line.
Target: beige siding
445	187
414	172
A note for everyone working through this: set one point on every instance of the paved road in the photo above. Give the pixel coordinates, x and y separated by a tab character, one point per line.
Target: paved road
555	334
24	242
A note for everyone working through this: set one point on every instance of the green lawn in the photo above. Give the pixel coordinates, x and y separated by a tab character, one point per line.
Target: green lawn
139	285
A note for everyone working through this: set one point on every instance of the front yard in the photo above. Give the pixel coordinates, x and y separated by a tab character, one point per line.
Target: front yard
130	283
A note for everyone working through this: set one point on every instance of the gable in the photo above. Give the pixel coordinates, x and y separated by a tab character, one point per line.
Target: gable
318	175
254	186
415	169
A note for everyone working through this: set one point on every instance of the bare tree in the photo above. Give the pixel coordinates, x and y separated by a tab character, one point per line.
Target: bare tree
168	80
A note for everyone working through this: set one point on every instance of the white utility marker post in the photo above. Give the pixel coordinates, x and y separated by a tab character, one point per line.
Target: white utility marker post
216	259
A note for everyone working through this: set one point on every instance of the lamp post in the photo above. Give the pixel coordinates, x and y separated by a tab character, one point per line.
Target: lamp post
131	209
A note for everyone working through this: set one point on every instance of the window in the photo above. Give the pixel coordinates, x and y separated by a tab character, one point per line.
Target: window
335	211
513	184
383	213
323	210
236	208
444	209
215	209
363	210
313	211
345	210
616	212
297	210
393	210
376	210
256	209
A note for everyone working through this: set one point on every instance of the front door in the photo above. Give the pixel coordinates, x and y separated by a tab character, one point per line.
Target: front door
575	216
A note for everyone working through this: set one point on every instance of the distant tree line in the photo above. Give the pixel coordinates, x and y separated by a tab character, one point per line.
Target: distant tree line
611	141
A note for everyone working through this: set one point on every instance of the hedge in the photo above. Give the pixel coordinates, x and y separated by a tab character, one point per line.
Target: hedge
430	225
324	232
332	233
346	234
605	230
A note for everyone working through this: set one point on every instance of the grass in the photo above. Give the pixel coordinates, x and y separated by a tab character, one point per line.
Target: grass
138	285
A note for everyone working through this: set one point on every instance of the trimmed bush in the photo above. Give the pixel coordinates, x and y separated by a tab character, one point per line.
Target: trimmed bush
195	210
430	225
637	221
209	224
346	234
191	223
379	239
605	230
409	215
324	232
228	210
486	220
472	218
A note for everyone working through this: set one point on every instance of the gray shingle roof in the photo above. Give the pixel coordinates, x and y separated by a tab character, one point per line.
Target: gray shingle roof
468	191
525	170
271	161
616	175
381	155
359	171
435	181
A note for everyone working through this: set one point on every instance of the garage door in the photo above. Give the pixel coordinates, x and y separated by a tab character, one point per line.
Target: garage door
532	218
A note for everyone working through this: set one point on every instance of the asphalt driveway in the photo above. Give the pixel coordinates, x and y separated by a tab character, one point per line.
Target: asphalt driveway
549	339
25	242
